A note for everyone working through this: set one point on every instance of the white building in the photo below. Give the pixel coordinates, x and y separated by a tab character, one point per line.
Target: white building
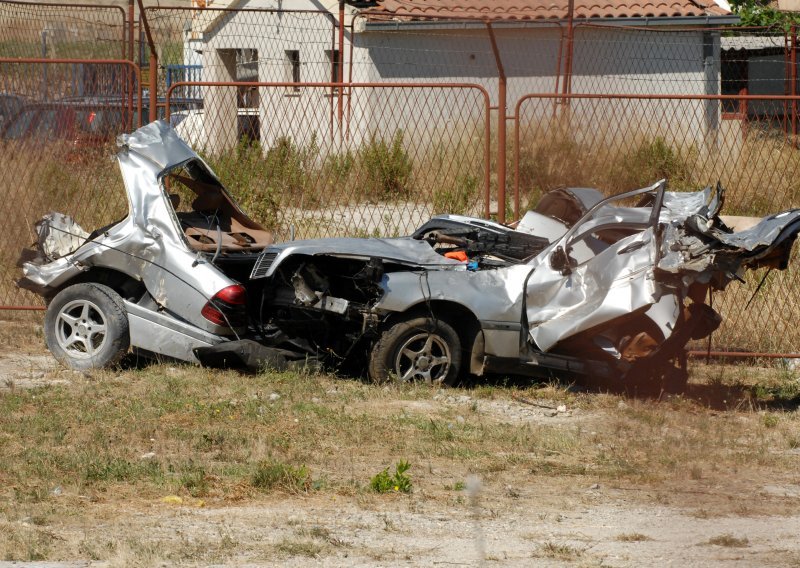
441	41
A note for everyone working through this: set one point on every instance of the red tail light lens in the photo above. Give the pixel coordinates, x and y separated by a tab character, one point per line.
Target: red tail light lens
235	295
227	307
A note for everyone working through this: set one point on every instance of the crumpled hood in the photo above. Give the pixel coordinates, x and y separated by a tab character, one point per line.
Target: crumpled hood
403	250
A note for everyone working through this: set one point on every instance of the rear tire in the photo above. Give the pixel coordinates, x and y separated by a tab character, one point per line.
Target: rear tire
419	349
86	327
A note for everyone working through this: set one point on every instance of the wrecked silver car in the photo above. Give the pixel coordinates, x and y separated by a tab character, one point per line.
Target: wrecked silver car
583	285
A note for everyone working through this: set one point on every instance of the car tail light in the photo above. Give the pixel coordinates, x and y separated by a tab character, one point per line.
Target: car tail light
227	308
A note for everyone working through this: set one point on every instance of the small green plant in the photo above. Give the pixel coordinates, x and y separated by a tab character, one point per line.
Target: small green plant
399	482
633	537
273	475
560	551
305	548
656	159
769	420
196	481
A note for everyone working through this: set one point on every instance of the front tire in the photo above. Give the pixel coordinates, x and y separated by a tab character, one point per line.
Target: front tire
86	327
419	349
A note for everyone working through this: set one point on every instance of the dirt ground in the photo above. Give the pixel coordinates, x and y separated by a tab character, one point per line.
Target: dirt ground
740	517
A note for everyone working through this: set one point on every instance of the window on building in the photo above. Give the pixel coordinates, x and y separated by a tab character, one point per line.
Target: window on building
333	63
293	68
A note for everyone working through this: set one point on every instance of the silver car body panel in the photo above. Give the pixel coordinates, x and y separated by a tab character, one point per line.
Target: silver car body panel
163	334
399	250
148	245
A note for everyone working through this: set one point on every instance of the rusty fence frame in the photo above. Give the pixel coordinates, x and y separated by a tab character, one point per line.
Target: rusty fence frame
487	154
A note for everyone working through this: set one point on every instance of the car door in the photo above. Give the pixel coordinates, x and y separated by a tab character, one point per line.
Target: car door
601	269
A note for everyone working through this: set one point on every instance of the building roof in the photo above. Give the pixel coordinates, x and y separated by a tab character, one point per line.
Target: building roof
539	9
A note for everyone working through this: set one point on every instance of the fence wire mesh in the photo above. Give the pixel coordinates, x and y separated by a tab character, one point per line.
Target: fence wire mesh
55	152
397	155
65	31
242	45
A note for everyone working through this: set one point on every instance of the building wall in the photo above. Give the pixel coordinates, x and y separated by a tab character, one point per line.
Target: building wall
605	61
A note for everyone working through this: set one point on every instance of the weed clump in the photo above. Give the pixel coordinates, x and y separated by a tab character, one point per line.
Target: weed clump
399	481
459	198
271	475
386	167
729	541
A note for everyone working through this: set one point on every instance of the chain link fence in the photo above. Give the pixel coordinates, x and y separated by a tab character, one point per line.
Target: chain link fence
241	45
56	148
65	31
369	127
398	153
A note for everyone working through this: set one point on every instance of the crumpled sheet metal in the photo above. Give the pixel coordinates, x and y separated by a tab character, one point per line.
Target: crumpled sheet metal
59	235
699	247
158	143
680	205
608	286
623	279
148	245
764	234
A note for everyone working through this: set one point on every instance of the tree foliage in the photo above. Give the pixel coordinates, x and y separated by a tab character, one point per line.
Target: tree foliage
761	13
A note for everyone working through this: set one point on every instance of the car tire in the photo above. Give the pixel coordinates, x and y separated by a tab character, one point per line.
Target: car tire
419	349
86	327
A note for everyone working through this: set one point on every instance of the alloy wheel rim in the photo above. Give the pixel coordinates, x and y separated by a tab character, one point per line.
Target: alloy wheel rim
81	329
423	356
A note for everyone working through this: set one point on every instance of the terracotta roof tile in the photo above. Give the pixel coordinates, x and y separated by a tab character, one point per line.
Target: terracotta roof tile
540	9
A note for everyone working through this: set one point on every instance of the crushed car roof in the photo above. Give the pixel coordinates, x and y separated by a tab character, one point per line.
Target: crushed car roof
159	143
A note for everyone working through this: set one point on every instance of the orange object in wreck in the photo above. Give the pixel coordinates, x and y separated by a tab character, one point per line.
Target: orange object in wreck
457	255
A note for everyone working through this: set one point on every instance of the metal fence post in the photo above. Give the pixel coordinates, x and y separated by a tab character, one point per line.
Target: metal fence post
501	129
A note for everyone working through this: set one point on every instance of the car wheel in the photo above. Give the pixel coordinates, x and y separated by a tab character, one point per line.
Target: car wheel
86	327
419	349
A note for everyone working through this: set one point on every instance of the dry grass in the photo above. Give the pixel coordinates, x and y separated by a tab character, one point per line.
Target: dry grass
729	541
132	437
633	537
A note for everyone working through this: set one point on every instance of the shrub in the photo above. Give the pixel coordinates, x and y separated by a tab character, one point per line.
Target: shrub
652	160
273	475
386	168
248	176
459	198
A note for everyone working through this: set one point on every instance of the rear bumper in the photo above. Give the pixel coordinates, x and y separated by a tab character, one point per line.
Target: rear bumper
163	334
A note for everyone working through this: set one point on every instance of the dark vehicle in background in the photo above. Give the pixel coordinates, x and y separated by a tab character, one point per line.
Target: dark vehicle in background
84	125
10	105
87	122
